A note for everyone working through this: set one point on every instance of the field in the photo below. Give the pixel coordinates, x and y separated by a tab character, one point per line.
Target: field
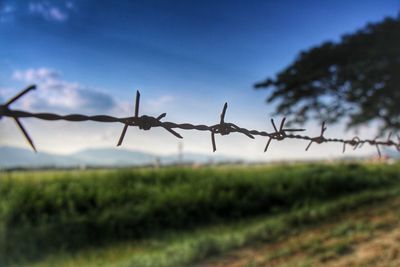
239	216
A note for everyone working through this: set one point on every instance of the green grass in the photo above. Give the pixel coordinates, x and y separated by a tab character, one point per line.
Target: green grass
176	249
42	213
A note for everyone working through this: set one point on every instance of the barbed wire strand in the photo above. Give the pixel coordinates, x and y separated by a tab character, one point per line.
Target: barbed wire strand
145	122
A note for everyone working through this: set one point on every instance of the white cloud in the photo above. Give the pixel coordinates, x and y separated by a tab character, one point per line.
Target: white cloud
36	75
57	94
55	11
56	14
48	11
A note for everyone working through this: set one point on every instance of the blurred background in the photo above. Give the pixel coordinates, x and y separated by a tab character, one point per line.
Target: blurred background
186	58
162	201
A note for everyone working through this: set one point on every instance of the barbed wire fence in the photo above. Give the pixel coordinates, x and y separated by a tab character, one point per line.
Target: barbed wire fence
222	128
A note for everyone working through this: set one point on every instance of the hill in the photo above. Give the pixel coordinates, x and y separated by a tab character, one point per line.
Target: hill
14	157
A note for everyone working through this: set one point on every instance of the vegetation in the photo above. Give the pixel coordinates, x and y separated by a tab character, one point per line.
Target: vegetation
367	236
177	248
45	212
356	77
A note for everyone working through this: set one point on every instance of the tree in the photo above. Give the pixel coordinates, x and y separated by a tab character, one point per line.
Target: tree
357	77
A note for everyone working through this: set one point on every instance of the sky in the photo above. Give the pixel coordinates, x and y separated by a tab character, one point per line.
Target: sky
187	58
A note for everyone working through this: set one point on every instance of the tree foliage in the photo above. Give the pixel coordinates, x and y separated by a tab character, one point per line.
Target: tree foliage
357	77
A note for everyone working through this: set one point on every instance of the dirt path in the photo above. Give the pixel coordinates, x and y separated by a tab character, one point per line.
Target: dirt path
369	236
381	251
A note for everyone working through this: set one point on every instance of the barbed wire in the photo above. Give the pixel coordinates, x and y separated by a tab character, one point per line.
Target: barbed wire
222	128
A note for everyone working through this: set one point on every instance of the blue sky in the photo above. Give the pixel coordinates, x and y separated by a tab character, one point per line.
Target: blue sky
186	57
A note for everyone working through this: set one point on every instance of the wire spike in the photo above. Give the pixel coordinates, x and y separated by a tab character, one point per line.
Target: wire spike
379	151
213	142
273	124
223	113
355	146
25	133
173	132
282	123
248	135
23	92
309	145
266	147
137	103
121	138
161	116
323	128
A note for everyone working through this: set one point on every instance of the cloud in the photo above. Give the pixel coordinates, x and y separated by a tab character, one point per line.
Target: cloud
54	93
53	11
6	13
36	75
49	11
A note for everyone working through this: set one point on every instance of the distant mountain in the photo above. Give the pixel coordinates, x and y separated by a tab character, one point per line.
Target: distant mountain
113	157
13	157
196	158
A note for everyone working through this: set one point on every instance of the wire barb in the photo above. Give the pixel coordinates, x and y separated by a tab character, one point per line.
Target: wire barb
280	134
145	122
137	101
5	111
319	139
224	128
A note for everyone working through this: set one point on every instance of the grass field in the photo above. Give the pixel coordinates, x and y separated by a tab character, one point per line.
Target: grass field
366	236
172	216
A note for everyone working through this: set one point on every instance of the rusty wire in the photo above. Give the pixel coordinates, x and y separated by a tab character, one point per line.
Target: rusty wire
146	122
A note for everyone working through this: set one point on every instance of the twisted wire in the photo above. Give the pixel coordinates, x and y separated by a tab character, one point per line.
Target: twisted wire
146	122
